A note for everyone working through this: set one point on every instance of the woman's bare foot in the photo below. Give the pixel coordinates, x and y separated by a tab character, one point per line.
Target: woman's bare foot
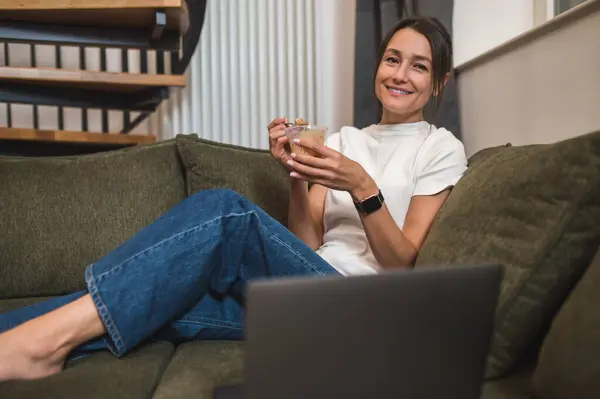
21	358
38	348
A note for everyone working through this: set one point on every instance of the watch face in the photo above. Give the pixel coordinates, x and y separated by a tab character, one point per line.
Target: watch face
371	205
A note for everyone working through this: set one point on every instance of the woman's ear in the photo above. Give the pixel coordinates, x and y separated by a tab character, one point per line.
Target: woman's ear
437	90
446	79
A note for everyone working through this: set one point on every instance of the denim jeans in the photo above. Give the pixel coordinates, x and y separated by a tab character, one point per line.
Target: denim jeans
182	278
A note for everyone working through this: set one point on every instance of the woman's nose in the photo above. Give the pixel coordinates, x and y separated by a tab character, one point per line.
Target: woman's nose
401	74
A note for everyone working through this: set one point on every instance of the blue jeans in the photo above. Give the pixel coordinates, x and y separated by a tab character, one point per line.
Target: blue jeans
182	278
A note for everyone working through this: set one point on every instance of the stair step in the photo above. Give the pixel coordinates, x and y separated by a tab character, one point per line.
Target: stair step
81	79
121	13
7	133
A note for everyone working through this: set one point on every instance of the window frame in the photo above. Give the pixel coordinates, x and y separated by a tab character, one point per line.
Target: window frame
545	10
555	6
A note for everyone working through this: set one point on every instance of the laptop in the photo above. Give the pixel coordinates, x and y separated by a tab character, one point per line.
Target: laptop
423	333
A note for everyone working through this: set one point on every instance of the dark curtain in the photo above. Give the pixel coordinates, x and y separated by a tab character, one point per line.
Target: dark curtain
374	18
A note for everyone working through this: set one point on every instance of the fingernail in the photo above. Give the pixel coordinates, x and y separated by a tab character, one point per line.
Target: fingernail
296	140
293	154
290	163
294	174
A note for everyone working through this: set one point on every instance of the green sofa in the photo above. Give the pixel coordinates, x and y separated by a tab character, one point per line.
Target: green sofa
535	209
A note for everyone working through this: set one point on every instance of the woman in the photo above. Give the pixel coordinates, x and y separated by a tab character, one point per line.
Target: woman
182	277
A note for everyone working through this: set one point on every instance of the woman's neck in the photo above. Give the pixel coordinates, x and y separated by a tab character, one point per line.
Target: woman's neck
391	118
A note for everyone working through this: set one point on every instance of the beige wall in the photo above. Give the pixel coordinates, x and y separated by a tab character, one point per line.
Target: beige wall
495	21
542	87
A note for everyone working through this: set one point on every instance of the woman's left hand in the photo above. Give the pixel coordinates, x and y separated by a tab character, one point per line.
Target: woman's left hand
331	169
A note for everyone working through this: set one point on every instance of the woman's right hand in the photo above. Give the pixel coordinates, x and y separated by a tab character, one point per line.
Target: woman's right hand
278	141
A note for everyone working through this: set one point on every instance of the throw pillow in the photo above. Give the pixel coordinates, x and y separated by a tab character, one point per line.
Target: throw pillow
250	172
535	209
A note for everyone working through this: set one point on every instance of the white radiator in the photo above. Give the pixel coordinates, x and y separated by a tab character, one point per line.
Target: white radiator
259	59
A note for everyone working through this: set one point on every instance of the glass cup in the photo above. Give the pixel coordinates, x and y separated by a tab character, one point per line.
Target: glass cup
308	134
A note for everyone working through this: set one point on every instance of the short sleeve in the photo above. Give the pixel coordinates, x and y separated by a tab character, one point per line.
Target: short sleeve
440	163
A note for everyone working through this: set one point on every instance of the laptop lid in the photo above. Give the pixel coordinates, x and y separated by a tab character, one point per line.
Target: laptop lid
414	334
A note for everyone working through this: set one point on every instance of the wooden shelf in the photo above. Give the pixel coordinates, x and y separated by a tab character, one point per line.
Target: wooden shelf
107	81
63	136
83	4
115	13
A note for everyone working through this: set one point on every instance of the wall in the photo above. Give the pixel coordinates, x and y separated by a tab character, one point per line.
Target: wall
480	25
540	88
335	56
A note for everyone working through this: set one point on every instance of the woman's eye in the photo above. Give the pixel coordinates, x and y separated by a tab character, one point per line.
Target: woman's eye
421	67
392	60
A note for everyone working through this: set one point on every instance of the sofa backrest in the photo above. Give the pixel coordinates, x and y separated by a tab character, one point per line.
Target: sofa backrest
60	214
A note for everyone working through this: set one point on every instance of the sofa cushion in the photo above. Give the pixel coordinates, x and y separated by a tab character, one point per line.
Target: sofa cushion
534	209
59	214
250	172
569	362
100	376
199	367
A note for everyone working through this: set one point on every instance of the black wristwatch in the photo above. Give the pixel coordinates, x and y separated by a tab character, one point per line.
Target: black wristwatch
371	204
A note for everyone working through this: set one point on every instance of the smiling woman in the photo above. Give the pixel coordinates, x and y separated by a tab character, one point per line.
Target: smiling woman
397	173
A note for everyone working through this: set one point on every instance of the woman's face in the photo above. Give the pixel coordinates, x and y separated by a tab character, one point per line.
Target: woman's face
403	83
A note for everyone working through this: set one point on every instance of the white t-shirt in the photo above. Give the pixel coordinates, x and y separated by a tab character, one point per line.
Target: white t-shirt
404	160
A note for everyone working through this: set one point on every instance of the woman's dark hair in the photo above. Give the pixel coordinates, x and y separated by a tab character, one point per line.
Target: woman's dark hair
441	51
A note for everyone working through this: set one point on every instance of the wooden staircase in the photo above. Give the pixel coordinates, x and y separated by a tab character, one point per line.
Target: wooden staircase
171	28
